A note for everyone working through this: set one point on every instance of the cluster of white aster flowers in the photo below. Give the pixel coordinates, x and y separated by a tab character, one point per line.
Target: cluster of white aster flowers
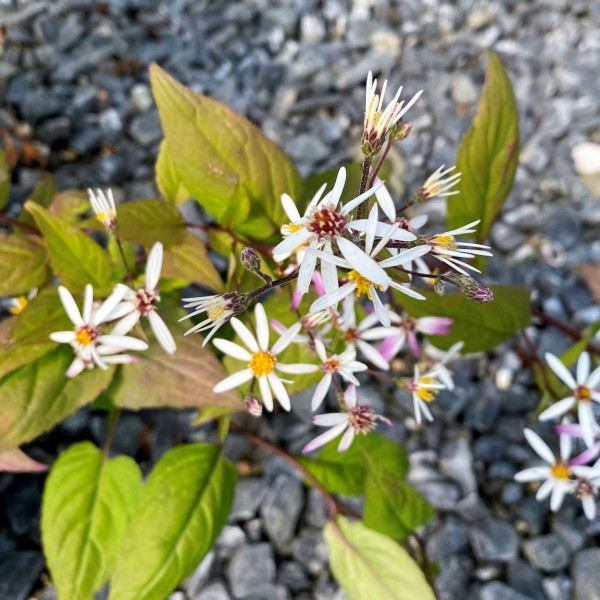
566	474
364	263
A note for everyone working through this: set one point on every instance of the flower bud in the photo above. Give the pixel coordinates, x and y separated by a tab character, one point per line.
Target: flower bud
253	405
480	294
401	131
439	287
250	259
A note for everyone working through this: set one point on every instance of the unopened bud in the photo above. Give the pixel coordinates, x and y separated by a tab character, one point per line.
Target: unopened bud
250	259
480	294
401	131
254	406
439	287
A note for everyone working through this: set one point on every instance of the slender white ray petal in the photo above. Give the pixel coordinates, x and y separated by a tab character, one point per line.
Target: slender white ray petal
98	361
464	229
363	263
232	349
350	397
347	440
286	338
75	368
557	409
70	306
104	312
321	391
333	298
154	266
384	199
532	474
545	490
289	206
456	264
589	507
307	268
405	256
293	241
594	378
380	310
587	421
330	258
63	337
265	392
406	290
124	308
262	327
370	234
338	187
350	206
88	302
233	381
122	341
127	323
583	368
372	355
279	391
245	335
539	446
560	370
400	235
297	368
558	494
330	419
162	333
322	439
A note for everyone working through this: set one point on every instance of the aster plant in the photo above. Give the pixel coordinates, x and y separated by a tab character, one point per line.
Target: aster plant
330	283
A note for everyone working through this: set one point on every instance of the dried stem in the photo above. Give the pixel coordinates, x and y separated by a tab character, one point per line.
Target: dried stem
113	419
16	223
565	328
363	184
388	147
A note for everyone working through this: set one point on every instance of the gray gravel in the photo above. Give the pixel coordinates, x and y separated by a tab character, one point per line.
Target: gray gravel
74	74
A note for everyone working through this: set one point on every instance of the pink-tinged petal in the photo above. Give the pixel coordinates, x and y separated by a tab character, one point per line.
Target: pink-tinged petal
346	440
544	490
162	333
539	446
297	368
127	323
330	419
587	420
63	337
372	355
569	428
413	344
265	392
557	409
70	306
278	326
120	359
318	280
587	456
532	474
350	396
434	325
293	241
279	391
104	313
392	345
262	327
363	263
321	391
232	349
15	460
233	381
75	368
589	507
560	370
245	335
322	439
583	368
122	341
154	266
296	299
286	338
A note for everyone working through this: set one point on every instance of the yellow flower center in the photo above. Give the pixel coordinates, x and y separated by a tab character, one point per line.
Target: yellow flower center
433	188
362	284
85	335
445	241
582	393
426	394
560	470
18	305
107	217
262	363
214	314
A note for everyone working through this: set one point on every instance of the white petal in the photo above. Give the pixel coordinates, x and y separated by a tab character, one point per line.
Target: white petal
232	349
587	422
380	310
322	439
545	490
350	206
293	241
329	272
532	474
162	333
98	361
363	263
372	355
279	391
265	392
63	337
333	298
594	378
370	234
70	306
321	391
289	206
124	308
560	370
75	368
557	409
385	201
407	290
558	495
539	446
330	419
583	368
307	269
122	341
233	381
262	327
154	266
286	339
297	368
88	302
589	507
405	256
127	323
244	334
399	235
108	306
350	396
346	441
338	187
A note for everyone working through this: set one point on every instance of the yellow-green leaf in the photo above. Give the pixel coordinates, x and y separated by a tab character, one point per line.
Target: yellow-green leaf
24	263
488	154
43	194
4	180
87	506
167	178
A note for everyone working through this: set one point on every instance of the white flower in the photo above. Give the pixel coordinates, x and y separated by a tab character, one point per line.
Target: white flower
104	208
424	389
445	248
262	360
143	302
361	335
325	225
378	123
109	354
219	309
356	419
556	475
583	394
439	184
18	303
443	373
87	339
586	489
344	364
362	273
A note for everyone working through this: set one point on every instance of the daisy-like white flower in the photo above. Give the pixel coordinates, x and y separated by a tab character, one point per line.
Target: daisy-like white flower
219	309
18	303
583	394
143	302
361	276
443	373
586	490
424	389
261	359
326	224
104	208
406	328
109	355
575	431
556	475
361	335
356	419
378	123
344	364
439	184
446	249
87	338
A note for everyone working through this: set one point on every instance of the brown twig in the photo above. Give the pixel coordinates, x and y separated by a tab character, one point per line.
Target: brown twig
390	143
263	247
113	419
567	329
16	223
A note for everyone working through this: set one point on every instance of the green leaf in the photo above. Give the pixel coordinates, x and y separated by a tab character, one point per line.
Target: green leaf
43	194
392	506
346	472
189	260
23	263
75	257
213	150
37	396
175	524
370	565
210	413
87	506
167	178
488	154
481	326
71	205
182	380
4	180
